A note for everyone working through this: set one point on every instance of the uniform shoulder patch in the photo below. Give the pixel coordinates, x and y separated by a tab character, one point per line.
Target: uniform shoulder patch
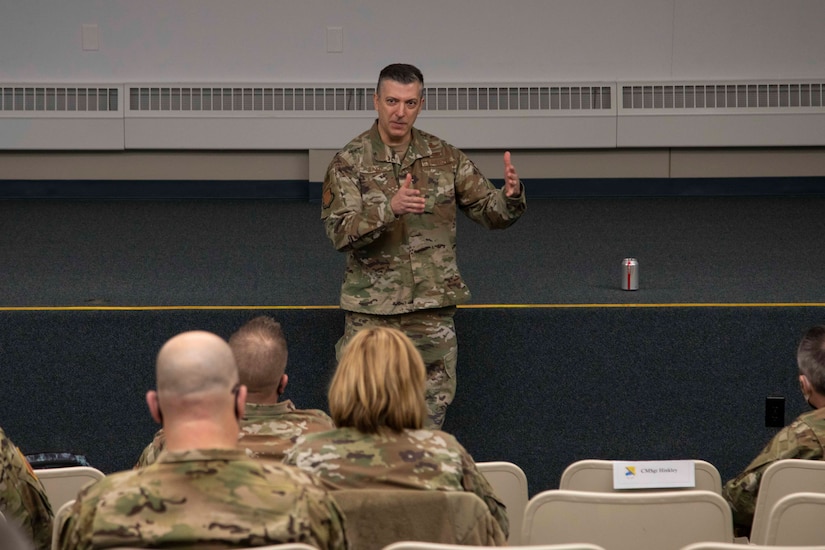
326	198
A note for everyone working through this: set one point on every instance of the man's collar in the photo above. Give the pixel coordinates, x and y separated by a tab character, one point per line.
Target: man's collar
384	153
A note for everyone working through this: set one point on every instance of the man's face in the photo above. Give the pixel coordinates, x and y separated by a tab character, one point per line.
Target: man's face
398	106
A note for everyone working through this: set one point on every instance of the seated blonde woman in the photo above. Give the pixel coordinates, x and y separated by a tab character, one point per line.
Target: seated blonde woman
377	401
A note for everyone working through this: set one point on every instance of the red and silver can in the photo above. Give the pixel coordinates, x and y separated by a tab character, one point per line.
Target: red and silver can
630	274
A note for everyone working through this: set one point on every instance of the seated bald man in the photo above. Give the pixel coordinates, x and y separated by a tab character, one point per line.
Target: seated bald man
202	490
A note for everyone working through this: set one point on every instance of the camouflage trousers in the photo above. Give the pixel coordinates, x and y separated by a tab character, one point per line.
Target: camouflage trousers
433	333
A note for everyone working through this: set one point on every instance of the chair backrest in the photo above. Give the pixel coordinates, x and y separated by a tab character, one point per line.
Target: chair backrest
738	546
782	478
379	517
510	485
797	520
413	545
627	521
597	475
60	516
284	546
63	484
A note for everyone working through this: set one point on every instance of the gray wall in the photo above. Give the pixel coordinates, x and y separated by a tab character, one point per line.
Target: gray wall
452	41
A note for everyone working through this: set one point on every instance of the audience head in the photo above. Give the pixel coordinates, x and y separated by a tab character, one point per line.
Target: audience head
379	383
197	382
260	351
810	356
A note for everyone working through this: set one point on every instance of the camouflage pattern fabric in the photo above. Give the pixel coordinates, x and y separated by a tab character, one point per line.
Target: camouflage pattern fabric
433	333
266	431
413	459
204	499
802	439
23	499
403	264
398	265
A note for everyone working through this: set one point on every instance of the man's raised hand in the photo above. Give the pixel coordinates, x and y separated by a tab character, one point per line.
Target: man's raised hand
408	200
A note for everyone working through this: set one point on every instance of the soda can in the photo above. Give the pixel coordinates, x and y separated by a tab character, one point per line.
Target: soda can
630	274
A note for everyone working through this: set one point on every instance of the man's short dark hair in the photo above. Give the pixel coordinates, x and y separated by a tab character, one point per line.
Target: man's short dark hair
402	73
810	356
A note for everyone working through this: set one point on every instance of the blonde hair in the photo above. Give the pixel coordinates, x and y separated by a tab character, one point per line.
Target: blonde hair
379	382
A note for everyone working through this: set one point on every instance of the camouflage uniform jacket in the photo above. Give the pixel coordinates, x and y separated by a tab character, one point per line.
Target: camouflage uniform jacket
266	431
413	459
22	497
204	499
403	264
804	438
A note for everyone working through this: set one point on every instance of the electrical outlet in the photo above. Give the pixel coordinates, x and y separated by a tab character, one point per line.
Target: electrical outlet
774	412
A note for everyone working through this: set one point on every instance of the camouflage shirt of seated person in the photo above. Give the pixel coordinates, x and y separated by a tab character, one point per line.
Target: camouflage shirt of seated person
346	458
803	438
23	499
267	431
204	499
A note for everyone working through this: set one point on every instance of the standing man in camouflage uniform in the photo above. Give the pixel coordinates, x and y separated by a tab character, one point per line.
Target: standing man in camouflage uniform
23	499
802	439
202	490
389	202
269	426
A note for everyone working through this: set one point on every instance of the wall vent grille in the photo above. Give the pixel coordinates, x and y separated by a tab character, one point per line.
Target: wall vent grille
58	99
722	96
359	99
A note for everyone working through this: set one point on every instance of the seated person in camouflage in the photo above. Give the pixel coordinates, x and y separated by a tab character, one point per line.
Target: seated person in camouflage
269	426
203	491
23	499
802	439
377	401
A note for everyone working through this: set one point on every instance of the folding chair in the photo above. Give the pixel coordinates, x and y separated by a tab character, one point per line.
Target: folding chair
597	475
63	484
61	514
797	520
510	485
739	546
411	545
782	478
627	521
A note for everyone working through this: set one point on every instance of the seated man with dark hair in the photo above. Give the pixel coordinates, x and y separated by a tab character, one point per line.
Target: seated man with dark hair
202	490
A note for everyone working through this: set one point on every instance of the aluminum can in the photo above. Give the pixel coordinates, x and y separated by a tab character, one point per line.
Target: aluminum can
630	274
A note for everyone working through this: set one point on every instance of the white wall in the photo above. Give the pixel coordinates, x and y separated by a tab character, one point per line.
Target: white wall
451	40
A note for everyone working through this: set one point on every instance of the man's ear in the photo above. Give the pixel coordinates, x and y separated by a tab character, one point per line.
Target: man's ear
282	384
154	406
240	403
805	386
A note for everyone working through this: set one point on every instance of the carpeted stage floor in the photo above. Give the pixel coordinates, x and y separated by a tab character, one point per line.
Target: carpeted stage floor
556	363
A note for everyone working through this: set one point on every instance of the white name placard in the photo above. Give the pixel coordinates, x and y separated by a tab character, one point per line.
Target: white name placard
654	474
